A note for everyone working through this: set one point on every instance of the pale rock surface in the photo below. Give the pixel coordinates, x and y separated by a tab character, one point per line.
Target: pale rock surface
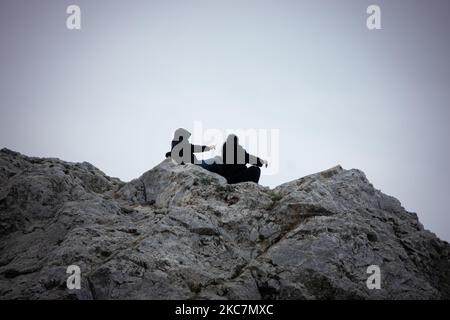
180	232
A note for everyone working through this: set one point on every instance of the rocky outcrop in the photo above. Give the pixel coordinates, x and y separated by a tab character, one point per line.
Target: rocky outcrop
180	232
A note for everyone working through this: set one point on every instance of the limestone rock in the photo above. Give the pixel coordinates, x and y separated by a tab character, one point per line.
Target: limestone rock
180	232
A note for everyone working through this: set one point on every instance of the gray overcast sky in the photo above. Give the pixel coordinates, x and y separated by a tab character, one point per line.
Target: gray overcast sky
112	93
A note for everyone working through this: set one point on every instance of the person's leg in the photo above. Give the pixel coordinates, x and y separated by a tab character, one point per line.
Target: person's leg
253	174
244	174
234	174
212	166
203	164
206	166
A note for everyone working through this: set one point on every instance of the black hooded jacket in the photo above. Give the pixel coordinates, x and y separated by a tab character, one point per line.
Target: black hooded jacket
235	157
180	143
192	148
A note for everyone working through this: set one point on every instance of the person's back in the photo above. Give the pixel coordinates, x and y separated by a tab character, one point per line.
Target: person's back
235	160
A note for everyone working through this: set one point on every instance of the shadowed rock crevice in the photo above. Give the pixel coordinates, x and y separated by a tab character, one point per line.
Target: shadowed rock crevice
180	232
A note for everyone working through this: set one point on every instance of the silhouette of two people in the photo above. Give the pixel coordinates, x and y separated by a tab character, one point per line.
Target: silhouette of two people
232	165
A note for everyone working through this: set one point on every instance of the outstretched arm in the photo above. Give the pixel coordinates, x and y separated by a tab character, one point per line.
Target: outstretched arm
198	148
254	160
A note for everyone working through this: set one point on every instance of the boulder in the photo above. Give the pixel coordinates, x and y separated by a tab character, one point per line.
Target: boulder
180	232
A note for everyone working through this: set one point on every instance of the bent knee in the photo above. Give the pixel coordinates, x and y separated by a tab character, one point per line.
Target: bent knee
254	169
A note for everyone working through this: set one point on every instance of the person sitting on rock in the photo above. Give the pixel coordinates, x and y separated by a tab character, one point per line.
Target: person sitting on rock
235	160
182	151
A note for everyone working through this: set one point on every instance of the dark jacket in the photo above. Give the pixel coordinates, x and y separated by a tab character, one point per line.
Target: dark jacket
235	158
183	145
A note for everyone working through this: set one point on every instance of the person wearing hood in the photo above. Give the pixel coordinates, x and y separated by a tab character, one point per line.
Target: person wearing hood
236	158
182	151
